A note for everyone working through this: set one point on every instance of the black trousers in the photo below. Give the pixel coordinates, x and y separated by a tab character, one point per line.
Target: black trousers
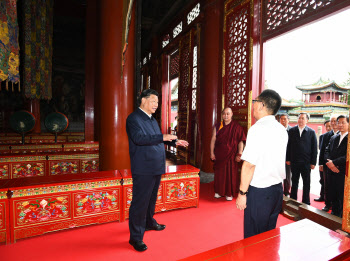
303	169
327	183
336	188
287	181
322	185
263	208
143	204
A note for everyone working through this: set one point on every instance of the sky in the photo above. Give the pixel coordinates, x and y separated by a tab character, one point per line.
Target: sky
301	57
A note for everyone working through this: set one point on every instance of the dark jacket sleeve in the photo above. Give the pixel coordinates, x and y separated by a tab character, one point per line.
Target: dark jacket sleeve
138	137
323	146
313	148
288	146
340	161
320	141
327	151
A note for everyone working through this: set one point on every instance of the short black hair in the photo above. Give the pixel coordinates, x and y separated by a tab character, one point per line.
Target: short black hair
272	100
146	94
342	117
307	115
326	122
284	114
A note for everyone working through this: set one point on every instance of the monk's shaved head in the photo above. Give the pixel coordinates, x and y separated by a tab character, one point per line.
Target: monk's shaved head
227	109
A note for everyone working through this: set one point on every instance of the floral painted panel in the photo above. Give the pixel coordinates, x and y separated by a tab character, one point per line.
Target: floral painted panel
25	169
64	167
89	165
96	202
129	196
2	216
4	171
41	210
182	189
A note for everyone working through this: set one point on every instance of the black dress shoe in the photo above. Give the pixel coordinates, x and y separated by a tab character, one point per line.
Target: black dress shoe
319	199
326	208
138	245
157	227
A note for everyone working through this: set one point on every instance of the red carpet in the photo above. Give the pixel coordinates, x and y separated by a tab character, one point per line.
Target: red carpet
189	231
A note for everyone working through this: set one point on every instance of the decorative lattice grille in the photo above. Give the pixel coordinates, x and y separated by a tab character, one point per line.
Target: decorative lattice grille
177	30
193	14
174	65
184	78
281	14
166	40
237	57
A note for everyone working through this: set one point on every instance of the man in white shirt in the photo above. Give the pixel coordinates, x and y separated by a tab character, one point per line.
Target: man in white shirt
263	170
336	163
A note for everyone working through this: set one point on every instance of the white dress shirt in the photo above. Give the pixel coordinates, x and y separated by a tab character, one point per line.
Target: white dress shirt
342	137
301	130
266	149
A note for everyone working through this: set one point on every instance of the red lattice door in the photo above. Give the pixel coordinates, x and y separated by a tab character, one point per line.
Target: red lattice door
236	60
187	97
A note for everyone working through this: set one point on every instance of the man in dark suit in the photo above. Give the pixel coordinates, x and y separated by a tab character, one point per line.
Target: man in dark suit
301	155
147	157
336	163
322	162
284	120
328	127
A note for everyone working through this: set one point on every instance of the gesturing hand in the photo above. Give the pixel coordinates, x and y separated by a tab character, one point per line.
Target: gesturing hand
182	143
169	137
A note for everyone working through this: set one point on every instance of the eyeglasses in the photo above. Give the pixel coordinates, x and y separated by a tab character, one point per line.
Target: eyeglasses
258	101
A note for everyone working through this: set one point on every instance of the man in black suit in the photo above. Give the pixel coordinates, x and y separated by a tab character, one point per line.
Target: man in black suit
147	157
322	162
301	155
328	127
336	163
284	120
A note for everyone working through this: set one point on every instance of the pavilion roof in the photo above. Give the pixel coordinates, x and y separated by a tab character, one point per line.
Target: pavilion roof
323	85
291	103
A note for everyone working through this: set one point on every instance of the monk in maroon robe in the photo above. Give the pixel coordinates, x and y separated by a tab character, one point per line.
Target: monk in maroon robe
226	149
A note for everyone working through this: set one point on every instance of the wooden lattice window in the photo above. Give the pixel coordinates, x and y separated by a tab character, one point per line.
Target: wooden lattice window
287	14
237	44
194	79
174	65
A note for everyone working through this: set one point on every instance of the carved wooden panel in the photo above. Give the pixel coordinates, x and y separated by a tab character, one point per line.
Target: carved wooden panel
279	14
237	56
174	65
184	85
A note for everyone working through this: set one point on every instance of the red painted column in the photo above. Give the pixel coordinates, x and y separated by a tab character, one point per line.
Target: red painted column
116	89
166	101
90	68
33	105
211	80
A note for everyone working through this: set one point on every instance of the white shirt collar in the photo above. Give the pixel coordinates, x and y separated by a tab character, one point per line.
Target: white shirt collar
301	130
342	136
266	118
149	115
